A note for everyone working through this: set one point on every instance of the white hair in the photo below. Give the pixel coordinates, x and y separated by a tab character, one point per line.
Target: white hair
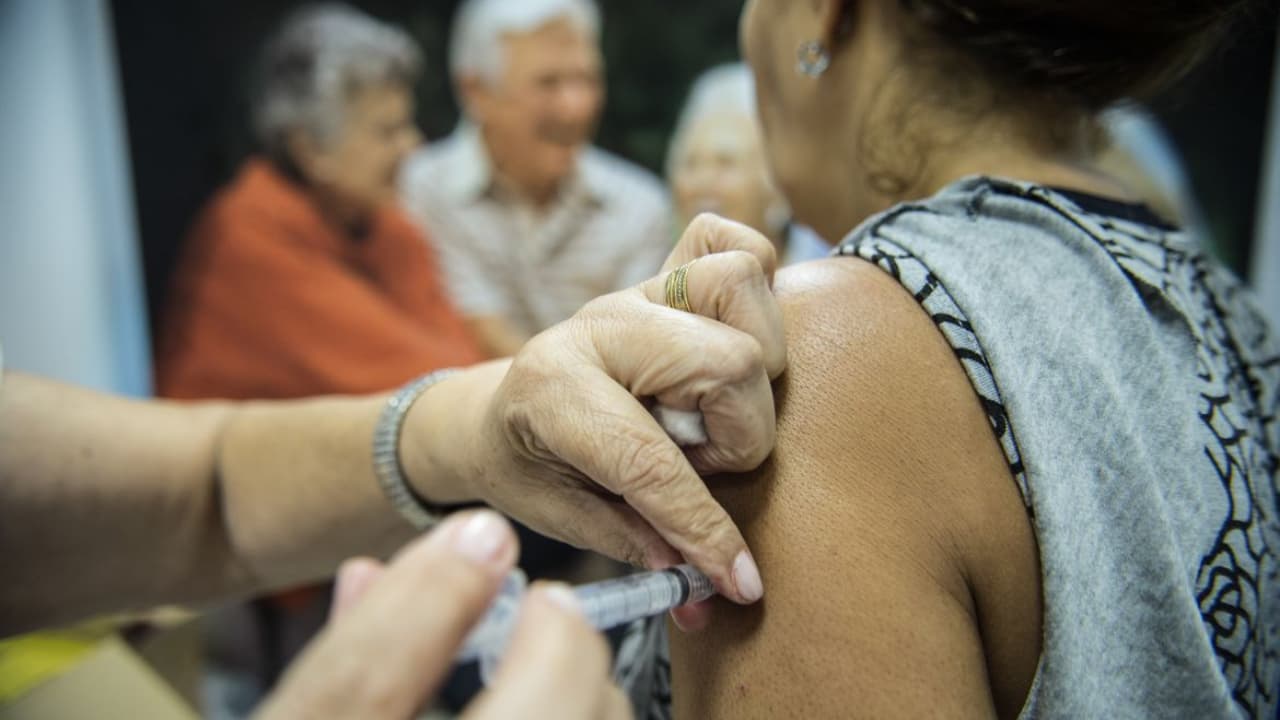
728	89
476	45
724	89
320	56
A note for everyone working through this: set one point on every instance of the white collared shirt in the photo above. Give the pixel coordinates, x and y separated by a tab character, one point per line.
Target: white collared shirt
607	229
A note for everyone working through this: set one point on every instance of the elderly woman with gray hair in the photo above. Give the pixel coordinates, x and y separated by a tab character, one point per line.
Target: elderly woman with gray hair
716	164
301	277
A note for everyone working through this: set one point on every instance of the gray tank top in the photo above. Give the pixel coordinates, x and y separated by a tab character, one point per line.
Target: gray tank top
1134	389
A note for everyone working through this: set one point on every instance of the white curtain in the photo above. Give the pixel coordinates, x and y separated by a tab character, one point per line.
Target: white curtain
71	296
1265	272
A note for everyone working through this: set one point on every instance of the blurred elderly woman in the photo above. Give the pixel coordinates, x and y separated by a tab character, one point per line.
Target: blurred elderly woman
302	278
716	163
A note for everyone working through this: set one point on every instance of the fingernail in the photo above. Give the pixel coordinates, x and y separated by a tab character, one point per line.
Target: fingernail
679	621
355	577
746	576
344	586
483	539
560	595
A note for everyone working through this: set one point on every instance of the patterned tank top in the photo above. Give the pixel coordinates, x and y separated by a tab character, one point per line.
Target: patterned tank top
1134	389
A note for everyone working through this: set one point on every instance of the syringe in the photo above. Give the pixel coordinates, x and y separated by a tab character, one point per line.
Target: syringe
605	604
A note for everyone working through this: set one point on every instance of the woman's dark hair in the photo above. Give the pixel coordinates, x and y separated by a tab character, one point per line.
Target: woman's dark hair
1093	52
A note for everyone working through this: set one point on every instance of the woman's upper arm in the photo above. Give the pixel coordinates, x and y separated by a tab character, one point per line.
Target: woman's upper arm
900	568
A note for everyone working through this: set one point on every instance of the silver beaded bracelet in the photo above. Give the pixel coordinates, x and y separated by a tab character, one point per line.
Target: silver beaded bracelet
386	453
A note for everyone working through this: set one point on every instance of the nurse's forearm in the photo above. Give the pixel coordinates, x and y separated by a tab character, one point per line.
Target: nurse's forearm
109	504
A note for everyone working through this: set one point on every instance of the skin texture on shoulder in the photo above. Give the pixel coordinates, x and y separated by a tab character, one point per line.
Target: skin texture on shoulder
901	568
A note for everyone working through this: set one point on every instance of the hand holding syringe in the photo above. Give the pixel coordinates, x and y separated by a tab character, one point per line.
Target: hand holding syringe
606	604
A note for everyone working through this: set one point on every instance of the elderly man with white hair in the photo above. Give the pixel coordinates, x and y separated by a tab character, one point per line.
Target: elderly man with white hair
531	221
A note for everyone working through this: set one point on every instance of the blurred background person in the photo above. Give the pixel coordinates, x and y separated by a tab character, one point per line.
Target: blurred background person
303	278
530	220
716	164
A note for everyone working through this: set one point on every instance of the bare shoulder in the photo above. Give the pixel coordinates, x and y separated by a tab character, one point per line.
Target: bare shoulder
900	569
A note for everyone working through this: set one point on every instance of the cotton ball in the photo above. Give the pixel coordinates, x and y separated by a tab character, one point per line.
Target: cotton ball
683	426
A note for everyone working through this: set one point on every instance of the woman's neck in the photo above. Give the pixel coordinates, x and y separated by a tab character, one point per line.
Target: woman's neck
349	219
982	151
352	220
1062	171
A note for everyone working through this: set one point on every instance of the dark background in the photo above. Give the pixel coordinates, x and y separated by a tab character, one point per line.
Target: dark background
186	68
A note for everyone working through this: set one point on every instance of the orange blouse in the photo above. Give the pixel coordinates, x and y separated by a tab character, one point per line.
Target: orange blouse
272	301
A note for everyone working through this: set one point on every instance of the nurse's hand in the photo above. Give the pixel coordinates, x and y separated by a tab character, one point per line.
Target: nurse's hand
397	628
562	439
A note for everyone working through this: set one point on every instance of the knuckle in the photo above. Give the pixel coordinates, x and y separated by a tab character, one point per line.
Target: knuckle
759	434
632	554
741	358
762	249
607	538
649	466
755	453
603	306
751	455
619	545
743	267
570	528
705	225
734	458
707	522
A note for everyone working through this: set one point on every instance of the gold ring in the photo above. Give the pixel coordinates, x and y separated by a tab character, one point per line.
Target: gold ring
678	287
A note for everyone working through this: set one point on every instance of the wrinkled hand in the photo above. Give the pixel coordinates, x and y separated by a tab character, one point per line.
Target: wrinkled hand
573	450
396	629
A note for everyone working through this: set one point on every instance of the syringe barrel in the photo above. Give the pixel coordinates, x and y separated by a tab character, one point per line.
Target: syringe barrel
612	603
605	604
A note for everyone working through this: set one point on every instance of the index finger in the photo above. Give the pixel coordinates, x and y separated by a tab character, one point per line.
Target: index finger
709	234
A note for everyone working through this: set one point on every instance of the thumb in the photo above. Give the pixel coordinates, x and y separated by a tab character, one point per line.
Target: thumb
384	655
355	577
